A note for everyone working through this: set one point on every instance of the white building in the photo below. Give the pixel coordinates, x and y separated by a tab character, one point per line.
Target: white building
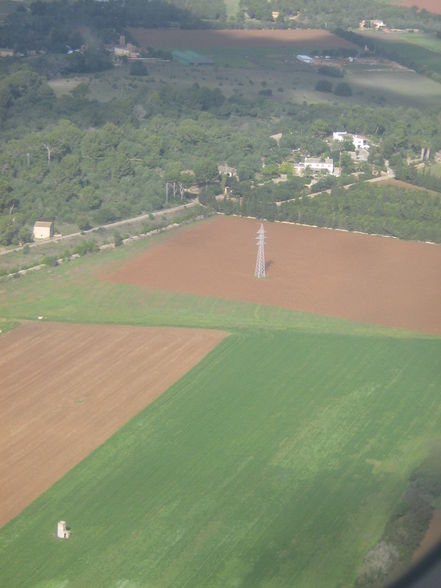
375	24
359	141
43	230
305	59
62	531
225	170
318	164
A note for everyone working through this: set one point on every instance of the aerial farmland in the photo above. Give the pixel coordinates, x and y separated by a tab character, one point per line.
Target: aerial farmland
280	444
220	361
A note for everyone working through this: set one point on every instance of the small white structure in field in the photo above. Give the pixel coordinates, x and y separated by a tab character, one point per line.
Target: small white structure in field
43	230
62	531
305	59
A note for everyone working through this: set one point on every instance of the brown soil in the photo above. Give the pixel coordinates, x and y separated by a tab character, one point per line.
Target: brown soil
431	538
359	277
431	5
235	38
67	388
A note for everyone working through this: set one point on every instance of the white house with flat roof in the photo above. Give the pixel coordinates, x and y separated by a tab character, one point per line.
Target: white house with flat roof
318	164
359	141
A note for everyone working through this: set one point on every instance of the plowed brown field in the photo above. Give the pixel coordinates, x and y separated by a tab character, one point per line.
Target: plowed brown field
235	38
358	277
431	5
66	388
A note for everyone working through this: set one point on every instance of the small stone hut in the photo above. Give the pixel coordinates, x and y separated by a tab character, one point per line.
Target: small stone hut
43	230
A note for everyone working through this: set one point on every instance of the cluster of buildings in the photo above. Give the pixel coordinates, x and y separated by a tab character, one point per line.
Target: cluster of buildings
124	49
326	165
373	25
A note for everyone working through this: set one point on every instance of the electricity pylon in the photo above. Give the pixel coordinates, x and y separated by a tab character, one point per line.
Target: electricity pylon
260	261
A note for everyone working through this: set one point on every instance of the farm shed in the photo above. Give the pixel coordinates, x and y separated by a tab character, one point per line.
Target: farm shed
43	230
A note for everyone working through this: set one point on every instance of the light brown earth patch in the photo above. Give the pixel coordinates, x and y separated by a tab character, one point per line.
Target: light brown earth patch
430	5
352	276
235	38
431	538
65	389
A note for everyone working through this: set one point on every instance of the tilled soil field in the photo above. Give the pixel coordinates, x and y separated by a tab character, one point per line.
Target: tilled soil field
66	388
235	38
430	5
359	277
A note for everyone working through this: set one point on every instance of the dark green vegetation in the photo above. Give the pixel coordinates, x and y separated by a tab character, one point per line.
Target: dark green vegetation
51	26
253	470
342	13
37	22
104	151
386	210
367	207
406	526
427	178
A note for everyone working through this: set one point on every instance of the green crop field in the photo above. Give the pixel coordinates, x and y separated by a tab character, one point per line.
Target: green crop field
275	462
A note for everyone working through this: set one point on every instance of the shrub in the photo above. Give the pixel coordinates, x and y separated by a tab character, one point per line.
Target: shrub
343	89
137	68
86	247
323	86
49	260
329	70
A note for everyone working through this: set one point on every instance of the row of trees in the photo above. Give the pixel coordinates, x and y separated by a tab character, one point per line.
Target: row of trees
385	210
342	13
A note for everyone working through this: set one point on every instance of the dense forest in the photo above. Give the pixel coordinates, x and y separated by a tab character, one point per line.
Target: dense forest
51	26
83	162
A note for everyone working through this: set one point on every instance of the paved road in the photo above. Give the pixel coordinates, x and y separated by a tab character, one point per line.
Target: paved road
120	223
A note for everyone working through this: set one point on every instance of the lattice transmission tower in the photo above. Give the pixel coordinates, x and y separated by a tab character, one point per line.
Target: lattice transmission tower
260	261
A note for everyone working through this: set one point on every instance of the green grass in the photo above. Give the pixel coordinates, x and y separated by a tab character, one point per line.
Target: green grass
275	462
7	325
386	86
435	169
428	41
